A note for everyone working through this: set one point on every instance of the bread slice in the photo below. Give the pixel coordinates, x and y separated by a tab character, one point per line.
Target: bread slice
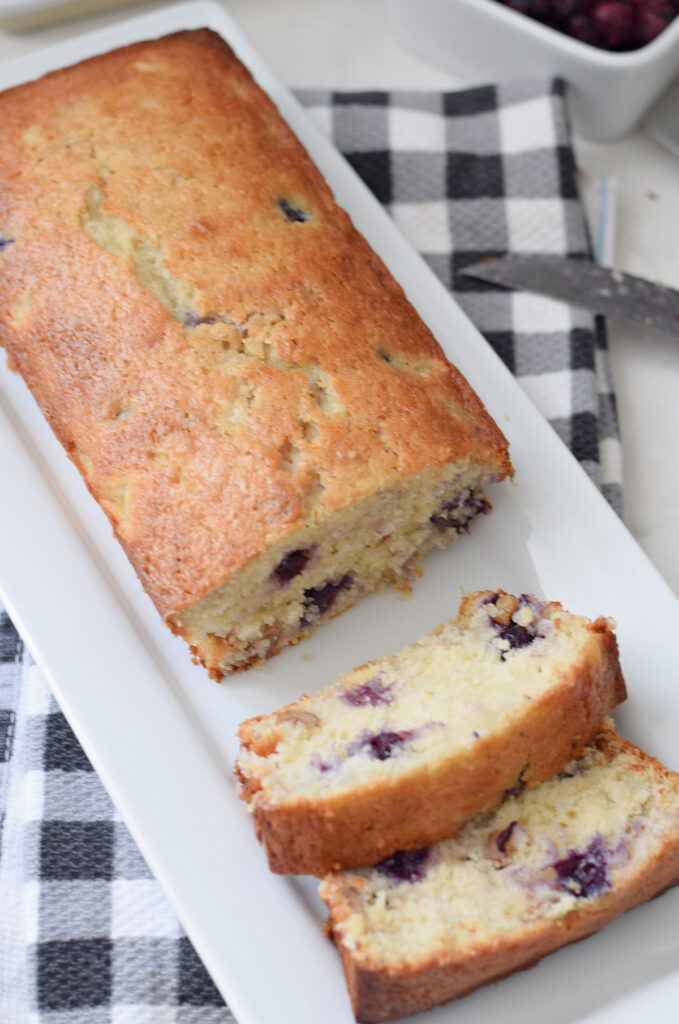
268	424
402	751
550	866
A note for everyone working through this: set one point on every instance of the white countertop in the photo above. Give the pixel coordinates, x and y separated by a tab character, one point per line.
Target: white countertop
347	44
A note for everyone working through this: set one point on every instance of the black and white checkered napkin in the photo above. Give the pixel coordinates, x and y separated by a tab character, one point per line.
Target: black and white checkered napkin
86	935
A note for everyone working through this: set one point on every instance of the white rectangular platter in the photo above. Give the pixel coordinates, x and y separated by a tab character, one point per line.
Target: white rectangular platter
31	11
162	735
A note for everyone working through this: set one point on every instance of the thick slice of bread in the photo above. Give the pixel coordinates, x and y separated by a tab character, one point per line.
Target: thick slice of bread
402	751
550	866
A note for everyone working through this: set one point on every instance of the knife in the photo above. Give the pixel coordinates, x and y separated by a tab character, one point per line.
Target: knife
582	282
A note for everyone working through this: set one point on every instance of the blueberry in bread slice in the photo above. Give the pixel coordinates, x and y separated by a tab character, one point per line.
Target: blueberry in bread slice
268	424
402	751
550	866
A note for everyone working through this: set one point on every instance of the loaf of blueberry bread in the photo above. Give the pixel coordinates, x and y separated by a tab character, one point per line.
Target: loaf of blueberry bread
402	751
264	418
552	865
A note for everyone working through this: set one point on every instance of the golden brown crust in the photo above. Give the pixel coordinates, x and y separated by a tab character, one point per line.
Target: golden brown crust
379	994
351	829
173	141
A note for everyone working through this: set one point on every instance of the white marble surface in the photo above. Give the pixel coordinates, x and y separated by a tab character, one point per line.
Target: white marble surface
347	44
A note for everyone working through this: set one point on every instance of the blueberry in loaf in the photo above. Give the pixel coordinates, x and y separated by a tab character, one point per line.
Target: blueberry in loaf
402	751
552	865
269	426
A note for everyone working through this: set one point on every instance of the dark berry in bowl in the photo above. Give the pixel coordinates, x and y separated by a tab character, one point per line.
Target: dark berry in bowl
616	25
581	27
565	8
654	16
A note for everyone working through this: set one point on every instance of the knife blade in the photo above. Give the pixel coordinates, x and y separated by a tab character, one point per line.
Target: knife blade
582	282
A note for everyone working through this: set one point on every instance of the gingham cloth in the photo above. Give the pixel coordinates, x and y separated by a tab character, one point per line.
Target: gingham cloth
86	935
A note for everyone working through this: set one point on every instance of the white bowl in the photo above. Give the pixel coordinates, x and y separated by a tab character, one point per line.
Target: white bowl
485	41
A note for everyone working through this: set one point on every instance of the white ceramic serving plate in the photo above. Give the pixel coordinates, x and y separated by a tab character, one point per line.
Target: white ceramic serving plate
485	41
27	13
161	734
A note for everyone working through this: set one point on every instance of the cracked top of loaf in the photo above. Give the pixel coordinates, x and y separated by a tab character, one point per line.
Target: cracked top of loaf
220	352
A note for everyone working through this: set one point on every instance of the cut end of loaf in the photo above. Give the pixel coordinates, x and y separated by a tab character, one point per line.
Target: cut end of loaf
323	569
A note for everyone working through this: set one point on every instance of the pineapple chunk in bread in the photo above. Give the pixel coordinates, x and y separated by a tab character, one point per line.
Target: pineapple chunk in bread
402	751
550	866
